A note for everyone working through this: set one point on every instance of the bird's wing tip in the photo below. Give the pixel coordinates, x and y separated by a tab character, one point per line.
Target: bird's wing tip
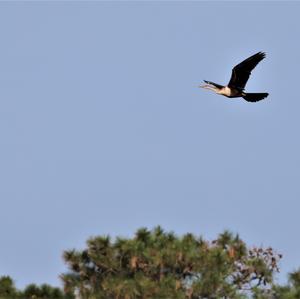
262	54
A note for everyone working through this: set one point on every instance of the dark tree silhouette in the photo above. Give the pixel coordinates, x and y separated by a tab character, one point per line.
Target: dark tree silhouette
7	287
45	291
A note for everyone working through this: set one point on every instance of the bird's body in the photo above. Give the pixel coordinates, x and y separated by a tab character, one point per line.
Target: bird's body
230	92
238	80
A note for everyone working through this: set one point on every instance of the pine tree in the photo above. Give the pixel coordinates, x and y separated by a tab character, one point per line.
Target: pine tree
160	265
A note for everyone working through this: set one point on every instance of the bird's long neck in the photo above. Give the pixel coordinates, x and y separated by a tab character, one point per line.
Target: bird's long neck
210	87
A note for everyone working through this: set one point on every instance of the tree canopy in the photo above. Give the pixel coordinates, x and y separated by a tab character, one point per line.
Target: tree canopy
157	264
7	287
8	290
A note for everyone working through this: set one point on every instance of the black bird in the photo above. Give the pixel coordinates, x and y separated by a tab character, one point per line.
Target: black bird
239	77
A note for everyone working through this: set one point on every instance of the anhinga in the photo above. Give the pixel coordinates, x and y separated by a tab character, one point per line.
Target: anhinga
238	80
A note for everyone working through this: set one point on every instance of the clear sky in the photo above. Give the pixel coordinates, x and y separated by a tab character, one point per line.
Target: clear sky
103	129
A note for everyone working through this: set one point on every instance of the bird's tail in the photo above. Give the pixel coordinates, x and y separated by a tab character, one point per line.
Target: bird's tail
255	97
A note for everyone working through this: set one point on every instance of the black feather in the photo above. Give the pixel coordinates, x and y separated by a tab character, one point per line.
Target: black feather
242	71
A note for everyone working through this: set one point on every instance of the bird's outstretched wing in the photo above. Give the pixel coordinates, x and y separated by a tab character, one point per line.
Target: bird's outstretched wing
242	71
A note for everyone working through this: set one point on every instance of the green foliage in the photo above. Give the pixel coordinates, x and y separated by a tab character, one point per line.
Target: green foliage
44	291
160	265
32	291
7	287
290	291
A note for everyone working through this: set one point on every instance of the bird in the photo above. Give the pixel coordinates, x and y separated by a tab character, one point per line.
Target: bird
239	77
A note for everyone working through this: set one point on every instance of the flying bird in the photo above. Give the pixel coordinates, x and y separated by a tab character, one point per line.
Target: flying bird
239	77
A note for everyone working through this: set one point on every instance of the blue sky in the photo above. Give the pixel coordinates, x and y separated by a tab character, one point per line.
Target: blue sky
103	129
